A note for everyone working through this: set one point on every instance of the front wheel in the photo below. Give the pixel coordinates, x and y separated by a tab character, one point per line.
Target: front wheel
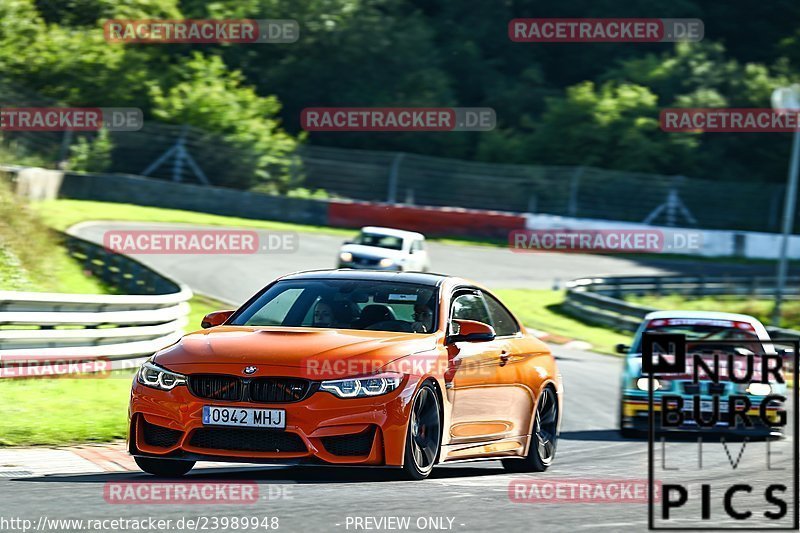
164	467
424	435
625	433
544	437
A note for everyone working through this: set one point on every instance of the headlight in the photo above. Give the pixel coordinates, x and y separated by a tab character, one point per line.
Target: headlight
642	384
386	262
152	375
361	387
346	257
759	389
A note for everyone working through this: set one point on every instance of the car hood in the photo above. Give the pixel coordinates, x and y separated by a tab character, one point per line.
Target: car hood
372	251
313	352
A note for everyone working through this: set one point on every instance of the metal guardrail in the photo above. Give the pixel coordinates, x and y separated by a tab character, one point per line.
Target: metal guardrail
600	300
39	328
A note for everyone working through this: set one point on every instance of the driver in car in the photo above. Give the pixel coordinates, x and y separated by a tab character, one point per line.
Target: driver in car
423	319
323	314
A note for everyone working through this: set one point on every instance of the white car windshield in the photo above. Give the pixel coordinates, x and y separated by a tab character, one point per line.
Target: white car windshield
381	241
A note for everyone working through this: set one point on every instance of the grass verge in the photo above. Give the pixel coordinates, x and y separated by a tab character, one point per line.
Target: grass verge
542	309
61	214
759	308
34	415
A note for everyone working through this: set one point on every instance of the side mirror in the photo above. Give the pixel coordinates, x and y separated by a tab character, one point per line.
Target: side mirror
622	348
471	331
217	318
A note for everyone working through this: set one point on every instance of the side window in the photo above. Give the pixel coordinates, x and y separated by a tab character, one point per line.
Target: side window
504	324
417	246
470	307
274	313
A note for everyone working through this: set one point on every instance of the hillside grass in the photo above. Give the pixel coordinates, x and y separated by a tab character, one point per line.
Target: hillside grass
542	309
761	308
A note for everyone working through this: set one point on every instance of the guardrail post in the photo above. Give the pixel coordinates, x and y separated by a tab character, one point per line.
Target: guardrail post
618	289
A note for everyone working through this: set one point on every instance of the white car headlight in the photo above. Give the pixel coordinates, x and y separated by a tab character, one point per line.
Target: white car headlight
643	384
346	257
759	389
152	375
386	262
362	387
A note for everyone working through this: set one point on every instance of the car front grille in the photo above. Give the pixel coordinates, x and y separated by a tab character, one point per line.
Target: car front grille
704	387
159	436
216	387
365	261
278	390
262	390
350	445
247	440
691	388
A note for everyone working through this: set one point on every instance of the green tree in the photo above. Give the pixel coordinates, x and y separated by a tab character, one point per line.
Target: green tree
256	149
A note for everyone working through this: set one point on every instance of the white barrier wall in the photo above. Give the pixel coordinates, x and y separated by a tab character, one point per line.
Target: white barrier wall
712	243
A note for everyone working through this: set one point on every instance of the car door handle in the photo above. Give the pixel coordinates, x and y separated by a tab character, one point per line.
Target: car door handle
504	356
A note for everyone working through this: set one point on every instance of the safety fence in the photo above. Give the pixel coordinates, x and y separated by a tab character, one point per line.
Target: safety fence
43	333
191	155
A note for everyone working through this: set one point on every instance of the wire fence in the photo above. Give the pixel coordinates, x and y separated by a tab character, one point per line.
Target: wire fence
581	192
396	177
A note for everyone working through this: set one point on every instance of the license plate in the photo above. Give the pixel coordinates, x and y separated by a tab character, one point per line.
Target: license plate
244	417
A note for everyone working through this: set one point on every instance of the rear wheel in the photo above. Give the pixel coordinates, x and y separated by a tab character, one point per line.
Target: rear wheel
164	467
424	436
544	437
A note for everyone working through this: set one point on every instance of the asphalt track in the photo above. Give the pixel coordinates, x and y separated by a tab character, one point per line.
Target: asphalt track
474	495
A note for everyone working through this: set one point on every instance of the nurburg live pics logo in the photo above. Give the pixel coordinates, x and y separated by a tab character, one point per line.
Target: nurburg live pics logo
715	365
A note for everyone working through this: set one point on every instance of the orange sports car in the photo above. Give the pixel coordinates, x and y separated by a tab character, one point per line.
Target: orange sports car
343	367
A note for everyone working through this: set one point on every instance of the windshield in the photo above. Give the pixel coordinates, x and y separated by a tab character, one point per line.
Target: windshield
699	329
381	241
345	304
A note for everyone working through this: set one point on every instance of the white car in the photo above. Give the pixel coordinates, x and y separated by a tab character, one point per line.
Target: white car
385	249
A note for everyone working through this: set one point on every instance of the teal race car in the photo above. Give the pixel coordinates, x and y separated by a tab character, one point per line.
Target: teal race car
741	337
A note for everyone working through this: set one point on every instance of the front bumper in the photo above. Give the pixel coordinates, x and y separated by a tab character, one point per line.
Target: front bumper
319	429
635	415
